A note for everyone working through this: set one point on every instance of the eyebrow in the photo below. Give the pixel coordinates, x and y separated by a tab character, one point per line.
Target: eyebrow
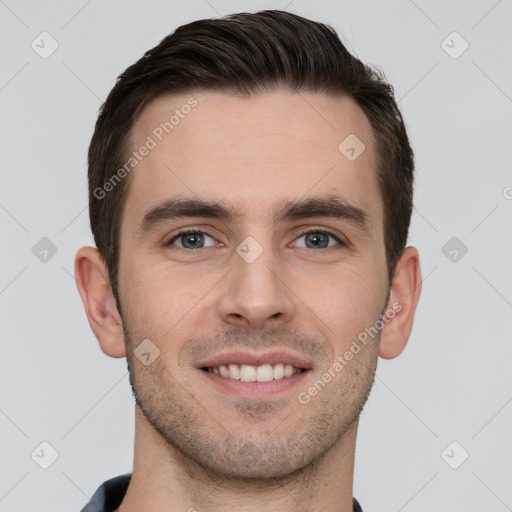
330	206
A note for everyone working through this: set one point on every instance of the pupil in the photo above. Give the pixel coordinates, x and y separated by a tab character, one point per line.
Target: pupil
194	236
316	236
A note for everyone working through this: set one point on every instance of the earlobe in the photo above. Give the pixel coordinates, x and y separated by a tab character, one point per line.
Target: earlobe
403	299
93	285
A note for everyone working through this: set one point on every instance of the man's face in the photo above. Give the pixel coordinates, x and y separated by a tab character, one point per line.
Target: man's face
252	284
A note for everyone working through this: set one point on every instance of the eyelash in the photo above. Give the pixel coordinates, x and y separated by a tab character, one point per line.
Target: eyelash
191	231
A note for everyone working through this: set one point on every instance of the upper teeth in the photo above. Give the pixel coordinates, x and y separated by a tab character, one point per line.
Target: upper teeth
248	373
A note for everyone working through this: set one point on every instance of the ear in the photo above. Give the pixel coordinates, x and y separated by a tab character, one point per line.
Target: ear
403	299
93	284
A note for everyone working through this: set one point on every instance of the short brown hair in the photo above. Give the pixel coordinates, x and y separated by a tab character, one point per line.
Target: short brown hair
245	54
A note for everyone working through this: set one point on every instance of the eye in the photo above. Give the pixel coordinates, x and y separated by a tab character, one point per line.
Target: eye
191	239
319	239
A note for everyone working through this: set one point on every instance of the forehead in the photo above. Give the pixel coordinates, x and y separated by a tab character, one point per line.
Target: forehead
253	152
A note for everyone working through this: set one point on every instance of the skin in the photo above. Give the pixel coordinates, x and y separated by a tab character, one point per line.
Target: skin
197	446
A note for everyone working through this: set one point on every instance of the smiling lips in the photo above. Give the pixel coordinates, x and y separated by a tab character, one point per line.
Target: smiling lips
250	373
256	367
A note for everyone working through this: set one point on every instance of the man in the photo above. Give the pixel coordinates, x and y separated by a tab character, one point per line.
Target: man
251	188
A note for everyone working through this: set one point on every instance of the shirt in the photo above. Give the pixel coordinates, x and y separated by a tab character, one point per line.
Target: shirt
110	494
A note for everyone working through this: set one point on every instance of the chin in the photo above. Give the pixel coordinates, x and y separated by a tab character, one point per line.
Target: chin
263	472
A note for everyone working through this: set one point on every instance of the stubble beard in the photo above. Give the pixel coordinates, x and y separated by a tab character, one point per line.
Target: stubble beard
209	449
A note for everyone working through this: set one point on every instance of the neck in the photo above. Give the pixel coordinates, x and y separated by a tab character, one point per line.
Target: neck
164	480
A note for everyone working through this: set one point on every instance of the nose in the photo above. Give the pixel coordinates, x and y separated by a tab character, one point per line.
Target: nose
257	294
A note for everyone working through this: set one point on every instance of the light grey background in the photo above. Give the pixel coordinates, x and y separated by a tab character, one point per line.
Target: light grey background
452	382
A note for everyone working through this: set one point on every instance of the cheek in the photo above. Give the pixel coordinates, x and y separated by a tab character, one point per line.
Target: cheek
162	301
350	303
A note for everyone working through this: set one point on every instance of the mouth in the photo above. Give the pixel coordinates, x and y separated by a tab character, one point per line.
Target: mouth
250	373
255	375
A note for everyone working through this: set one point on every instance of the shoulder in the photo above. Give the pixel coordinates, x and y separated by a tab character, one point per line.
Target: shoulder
109	494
